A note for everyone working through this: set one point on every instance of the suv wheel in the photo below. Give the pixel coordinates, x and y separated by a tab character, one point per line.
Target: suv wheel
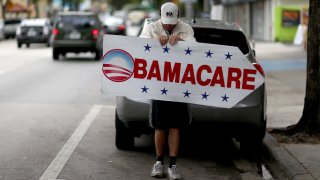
124	139
19	45
252	144
55	54
97	55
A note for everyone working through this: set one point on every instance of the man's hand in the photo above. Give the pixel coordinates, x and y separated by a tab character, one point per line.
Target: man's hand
163	40
173	39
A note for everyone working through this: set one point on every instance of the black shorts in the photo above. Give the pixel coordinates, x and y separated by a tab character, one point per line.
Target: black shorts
167	114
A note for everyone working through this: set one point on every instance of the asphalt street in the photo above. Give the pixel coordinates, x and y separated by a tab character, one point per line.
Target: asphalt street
56	124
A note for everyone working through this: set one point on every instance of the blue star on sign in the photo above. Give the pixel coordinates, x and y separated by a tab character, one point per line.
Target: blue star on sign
166	49
188	51
225	98
228	56
209	54
164	91
147	47
144	89
205	95
186	94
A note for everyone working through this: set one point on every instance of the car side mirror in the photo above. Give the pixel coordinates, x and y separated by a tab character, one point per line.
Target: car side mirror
254	52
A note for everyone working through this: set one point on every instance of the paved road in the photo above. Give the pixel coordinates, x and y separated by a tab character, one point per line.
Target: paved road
55	124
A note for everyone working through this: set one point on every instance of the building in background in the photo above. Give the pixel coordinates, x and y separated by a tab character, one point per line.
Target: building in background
267	20
24	9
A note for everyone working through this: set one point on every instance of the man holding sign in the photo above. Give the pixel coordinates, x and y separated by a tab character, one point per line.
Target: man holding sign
165	115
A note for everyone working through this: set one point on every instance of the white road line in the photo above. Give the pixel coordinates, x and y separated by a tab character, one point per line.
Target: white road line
62	157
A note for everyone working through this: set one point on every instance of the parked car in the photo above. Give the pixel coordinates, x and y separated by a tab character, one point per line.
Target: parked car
34	31
1	29
10	27
114	25
77	32
246	121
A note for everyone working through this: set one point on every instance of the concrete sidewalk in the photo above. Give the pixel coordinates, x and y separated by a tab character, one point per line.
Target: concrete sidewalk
286	89
293	161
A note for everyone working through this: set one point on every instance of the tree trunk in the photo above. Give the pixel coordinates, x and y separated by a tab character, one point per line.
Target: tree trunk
3	10
310	120
29	12
36	5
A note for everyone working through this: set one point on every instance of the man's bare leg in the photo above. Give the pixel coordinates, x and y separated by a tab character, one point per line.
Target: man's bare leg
174	140
160	140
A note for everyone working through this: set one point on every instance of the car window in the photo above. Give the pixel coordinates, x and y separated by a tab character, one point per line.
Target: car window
12	21
77	21
222	37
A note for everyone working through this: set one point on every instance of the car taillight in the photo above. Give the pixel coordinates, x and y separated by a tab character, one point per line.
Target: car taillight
95	33
55	32
121	27
259	68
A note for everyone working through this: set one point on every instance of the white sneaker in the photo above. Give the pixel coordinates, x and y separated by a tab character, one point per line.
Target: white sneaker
158	170
173	173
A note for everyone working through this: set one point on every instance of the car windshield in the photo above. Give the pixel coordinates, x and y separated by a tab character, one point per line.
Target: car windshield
77	21
12	21
222	37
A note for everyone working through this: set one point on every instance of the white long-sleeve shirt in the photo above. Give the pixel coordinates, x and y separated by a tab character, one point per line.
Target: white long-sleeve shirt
154	30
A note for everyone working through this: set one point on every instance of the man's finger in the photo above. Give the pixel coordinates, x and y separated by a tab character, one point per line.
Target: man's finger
163	40
173	39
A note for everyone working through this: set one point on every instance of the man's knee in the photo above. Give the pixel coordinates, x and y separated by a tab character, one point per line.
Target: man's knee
174	130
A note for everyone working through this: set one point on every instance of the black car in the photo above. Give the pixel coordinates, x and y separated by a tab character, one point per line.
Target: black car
33	31
77	32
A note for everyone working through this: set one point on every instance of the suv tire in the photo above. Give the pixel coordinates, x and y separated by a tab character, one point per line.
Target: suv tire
55	54
252	144
97	55
124	139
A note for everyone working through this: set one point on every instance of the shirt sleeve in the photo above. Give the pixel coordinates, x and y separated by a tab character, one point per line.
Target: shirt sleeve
146	31
189	35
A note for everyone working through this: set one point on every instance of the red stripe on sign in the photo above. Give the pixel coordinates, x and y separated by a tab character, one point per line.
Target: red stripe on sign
115	71
115	66
118	78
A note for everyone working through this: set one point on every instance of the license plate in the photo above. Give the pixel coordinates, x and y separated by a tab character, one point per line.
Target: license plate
112	28
32	33
74	35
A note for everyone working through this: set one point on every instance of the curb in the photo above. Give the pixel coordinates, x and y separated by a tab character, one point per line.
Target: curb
282	163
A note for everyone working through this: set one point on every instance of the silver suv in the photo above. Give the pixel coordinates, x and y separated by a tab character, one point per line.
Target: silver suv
246	121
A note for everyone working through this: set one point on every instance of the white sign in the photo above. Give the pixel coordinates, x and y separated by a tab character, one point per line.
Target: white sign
190	72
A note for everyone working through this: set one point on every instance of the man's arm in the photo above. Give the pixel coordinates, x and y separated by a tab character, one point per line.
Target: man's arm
189	36
146	32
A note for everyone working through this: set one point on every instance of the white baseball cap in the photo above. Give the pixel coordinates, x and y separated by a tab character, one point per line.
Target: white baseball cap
169	13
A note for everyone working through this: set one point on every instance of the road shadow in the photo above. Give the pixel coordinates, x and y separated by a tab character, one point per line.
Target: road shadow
76	57
194	144
35	46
